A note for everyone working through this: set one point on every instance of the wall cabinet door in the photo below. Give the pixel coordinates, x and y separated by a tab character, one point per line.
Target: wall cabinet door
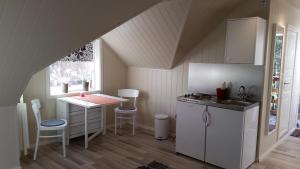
190	130
224	138
245	41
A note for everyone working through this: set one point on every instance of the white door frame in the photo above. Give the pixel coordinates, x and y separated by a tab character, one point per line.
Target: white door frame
295	86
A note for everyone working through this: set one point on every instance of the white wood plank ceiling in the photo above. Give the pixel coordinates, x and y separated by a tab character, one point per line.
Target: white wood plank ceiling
35	33
151	38
162	35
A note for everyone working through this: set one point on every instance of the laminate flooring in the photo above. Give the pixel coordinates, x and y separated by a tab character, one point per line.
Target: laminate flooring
128	152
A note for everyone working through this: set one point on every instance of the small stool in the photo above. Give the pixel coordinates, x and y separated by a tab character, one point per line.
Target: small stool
161	125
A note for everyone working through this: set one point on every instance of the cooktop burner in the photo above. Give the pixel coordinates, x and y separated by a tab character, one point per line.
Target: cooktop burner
190	97
199	96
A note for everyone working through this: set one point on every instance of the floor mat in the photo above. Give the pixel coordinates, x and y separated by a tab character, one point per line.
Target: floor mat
296	133
155	165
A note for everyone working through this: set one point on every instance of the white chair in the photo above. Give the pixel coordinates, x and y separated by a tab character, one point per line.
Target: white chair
47	125
126	112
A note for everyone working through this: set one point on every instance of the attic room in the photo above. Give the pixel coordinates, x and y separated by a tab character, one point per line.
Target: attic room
152	84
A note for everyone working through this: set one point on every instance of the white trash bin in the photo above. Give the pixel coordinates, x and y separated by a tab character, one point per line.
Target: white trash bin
161	125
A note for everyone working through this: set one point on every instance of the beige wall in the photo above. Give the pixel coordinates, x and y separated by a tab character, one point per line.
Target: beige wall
282	14
41	35
150	39
36	88
114	77
161	87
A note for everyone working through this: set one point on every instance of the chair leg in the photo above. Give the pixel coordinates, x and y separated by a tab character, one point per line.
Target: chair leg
64	142
133	124
36	144
116	123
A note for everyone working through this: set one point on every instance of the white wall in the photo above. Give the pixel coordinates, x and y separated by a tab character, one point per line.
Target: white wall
9	143
207	77
160	87
36	33
281	13
150	39
36	88
114	77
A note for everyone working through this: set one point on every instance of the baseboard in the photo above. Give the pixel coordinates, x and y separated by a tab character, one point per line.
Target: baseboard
144	127
265	154
112	126
147	129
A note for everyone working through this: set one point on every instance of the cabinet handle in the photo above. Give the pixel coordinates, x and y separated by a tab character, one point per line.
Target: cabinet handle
208	119
204	116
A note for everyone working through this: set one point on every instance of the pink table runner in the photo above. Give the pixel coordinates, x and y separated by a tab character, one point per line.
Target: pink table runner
97	99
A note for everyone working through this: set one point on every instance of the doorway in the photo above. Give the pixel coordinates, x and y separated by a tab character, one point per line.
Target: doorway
289	112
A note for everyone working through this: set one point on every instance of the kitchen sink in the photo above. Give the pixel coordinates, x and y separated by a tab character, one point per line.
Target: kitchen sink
236	102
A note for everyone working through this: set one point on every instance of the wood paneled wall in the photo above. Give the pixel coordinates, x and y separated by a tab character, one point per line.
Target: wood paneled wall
36	33
114	77
151	38
160	87
282	13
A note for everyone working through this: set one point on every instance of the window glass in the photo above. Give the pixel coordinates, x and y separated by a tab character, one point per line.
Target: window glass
73	69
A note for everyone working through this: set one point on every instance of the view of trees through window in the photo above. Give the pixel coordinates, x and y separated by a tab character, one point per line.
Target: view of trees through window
73	70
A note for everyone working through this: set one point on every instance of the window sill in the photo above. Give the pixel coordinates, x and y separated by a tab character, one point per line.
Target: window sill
73	93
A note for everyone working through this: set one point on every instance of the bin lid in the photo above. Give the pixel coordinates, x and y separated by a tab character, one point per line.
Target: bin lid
161	116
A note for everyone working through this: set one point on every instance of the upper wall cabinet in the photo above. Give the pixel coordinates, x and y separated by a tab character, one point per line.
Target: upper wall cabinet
245	41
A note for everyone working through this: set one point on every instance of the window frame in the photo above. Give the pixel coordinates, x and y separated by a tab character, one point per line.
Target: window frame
98	53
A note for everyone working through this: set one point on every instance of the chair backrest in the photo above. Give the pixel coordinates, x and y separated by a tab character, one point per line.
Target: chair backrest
129	93
36	106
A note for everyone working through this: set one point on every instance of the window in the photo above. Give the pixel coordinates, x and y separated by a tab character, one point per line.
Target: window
82	65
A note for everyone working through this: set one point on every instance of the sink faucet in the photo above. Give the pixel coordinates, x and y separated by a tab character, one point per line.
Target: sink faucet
242	93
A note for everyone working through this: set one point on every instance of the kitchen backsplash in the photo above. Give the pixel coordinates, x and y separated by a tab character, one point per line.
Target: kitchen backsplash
205	78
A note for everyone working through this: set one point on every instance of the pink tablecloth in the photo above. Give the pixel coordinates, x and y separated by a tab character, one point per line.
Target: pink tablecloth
98	99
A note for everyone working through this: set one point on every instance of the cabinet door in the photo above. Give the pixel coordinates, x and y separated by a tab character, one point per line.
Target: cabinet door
240	41
224	138
190	130
250	136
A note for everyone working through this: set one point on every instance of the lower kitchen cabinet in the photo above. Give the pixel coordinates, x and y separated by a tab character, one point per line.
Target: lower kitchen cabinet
231	137
228	139
190	130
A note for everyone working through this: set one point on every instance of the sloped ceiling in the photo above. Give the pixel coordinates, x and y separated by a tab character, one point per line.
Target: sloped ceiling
151	38
35	33
162	35
295	3
203	16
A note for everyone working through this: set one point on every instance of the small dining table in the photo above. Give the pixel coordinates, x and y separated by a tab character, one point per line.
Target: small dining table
89	102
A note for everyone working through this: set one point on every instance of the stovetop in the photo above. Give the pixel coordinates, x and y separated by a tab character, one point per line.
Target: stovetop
194	97
211	100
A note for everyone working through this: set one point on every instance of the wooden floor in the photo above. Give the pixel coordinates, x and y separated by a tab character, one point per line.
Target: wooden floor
127	152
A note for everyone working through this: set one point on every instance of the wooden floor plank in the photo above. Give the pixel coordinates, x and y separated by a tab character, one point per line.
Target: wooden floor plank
127	152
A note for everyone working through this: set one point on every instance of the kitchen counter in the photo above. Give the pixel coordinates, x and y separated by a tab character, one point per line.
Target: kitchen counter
231	104
220	133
